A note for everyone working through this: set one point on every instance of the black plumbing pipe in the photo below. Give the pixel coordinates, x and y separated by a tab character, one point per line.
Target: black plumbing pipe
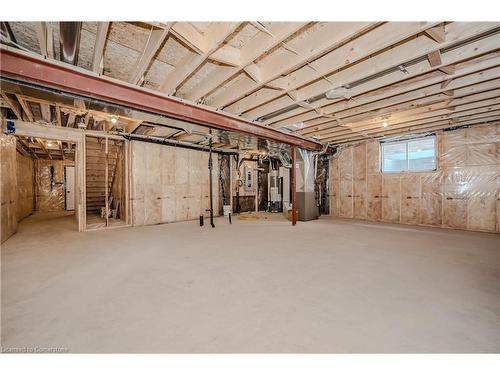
210	168
238	206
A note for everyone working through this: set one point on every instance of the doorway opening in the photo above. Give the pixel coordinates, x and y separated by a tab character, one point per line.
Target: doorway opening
105	183
46	181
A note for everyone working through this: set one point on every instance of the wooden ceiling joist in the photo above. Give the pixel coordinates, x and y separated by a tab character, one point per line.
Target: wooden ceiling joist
332	80
240	58
26	108
437	33
415	121
343	61
406	101
41	31
29	68
26	146
100	41
156	38
394	94
438	109
416	48
211	41
317	44
14	104
46	113
469	52
42	145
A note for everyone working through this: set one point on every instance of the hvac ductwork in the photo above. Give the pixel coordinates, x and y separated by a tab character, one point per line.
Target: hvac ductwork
70	41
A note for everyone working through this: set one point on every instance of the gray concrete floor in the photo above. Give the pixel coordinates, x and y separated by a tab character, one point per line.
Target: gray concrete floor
254	286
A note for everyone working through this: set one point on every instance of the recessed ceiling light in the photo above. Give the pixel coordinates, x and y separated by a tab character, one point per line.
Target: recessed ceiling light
49	144
385	124
113	120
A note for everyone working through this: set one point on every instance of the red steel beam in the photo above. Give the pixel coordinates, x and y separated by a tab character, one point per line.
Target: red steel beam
33	69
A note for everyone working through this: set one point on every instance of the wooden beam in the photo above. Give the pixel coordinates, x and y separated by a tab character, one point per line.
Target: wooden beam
425	119
46	114
22	150
319	42
58	115
156	38
467	102
27	146
213	38
13	103
439	110
86	120
252	50
59	143
446	83
359	46
181	135
188	34
437	33
27	67
253	72
42	145
458	55
41	32
50	42
434	58
480	117
100	41
407	101
71	120
262	103
406	90
450	70
26	108
80	104
227	55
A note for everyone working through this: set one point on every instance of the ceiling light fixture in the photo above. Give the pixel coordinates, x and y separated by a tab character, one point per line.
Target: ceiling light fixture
113	120
385	124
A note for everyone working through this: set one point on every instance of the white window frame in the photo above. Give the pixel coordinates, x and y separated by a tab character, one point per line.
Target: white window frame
406	141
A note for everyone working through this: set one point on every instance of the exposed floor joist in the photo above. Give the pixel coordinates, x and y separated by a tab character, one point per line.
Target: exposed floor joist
311	77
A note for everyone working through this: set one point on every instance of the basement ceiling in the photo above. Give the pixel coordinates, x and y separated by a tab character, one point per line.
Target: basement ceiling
51	107
338	82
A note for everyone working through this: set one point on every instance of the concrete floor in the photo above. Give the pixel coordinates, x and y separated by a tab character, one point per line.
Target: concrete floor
254	286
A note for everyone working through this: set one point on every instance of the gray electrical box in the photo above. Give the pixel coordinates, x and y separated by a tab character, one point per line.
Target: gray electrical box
248	179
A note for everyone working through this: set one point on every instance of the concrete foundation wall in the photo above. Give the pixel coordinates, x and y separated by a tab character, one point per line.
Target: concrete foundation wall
462	193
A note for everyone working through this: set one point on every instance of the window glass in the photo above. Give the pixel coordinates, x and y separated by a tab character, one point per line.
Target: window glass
411	155
394	157
421	154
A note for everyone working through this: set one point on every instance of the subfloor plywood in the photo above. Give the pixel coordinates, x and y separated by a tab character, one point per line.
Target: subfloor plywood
329	285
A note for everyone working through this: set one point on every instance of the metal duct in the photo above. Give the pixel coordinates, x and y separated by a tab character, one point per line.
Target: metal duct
70	41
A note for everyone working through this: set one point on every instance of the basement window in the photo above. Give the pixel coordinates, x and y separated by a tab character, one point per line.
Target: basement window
412	155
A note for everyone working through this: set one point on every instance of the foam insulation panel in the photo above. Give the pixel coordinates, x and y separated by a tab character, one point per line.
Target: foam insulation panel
50	185
463	192
25	186
8	178
170	183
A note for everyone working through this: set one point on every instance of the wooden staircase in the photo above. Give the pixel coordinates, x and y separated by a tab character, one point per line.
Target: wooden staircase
95	149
